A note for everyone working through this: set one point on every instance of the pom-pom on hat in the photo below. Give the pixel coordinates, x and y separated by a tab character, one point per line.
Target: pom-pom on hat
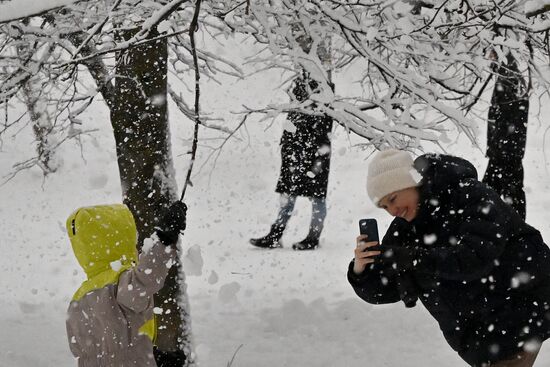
389	171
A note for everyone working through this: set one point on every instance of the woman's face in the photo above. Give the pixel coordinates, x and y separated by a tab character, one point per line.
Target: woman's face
402	203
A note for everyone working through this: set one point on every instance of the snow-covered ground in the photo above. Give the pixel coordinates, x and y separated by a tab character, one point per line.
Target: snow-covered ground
260	307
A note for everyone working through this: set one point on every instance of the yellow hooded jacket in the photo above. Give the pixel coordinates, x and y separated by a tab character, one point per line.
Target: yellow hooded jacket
110	318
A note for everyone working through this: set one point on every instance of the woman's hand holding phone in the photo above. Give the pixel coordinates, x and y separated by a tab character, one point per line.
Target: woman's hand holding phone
364	256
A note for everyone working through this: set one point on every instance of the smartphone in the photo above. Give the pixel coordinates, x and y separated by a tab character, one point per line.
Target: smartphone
370	228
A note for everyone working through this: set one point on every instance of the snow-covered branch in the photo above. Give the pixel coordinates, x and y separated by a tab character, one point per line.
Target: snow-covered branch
12	10
420	63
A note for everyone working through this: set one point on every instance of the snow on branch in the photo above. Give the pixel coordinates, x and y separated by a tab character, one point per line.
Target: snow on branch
73	54
18	9
141	37
420	65
536	7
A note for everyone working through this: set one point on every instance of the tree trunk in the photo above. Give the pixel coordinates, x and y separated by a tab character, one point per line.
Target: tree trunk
41	125
32	96
507	135
139	118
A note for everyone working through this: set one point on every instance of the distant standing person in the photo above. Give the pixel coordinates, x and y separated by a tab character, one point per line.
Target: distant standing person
305	155
507	135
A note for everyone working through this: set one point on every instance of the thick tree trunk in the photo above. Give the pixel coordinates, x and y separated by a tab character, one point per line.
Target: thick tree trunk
139	118
507	135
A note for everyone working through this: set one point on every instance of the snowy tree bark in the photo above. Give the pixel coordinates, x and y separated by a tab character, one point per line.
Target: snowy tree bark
139	117
507	134
41	122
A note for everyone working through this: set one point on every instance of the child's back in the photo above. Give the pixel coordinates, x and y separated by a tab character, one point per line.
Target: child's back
109	320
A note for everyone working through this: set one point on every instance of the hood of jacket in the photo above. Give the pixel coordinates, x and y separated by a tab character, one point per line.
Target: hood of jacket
441	174
103	238
440	170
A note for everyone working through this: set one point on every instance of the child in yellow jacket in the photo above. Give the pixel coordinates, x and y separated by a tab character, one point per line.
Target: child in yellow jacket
110	318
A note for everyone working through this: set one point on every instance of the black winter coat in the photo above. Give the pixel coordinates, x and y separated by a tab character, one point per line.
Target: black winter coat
479	269
305	153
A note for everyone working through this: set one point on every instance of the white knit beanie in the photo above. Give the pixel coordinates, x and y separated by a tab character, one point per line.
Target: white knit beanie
389	171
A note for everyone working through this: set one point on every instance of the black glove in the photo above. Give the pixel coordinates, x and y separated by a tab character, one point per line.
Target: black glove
172	223
175	358
398	258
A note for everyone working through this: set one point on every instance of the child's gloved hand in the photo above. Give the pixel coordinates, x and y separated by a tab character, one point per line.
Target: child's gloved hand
172	223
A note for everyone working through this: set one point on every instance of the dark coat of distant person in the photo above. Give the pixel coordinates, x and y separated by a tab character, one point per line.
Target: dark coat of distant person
305	151
479	269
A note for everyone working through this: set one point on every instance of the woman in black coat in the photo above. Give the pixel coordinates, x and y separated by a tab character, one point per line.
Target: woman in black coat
305	164
477	267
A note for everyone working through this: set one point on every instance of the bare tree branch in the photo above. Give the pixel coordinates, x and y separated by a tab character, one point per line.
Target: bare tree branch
192	29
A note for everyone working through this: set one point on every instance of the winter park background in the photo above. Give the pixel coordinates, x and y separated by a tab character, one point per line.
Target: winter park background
285	308
258	307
